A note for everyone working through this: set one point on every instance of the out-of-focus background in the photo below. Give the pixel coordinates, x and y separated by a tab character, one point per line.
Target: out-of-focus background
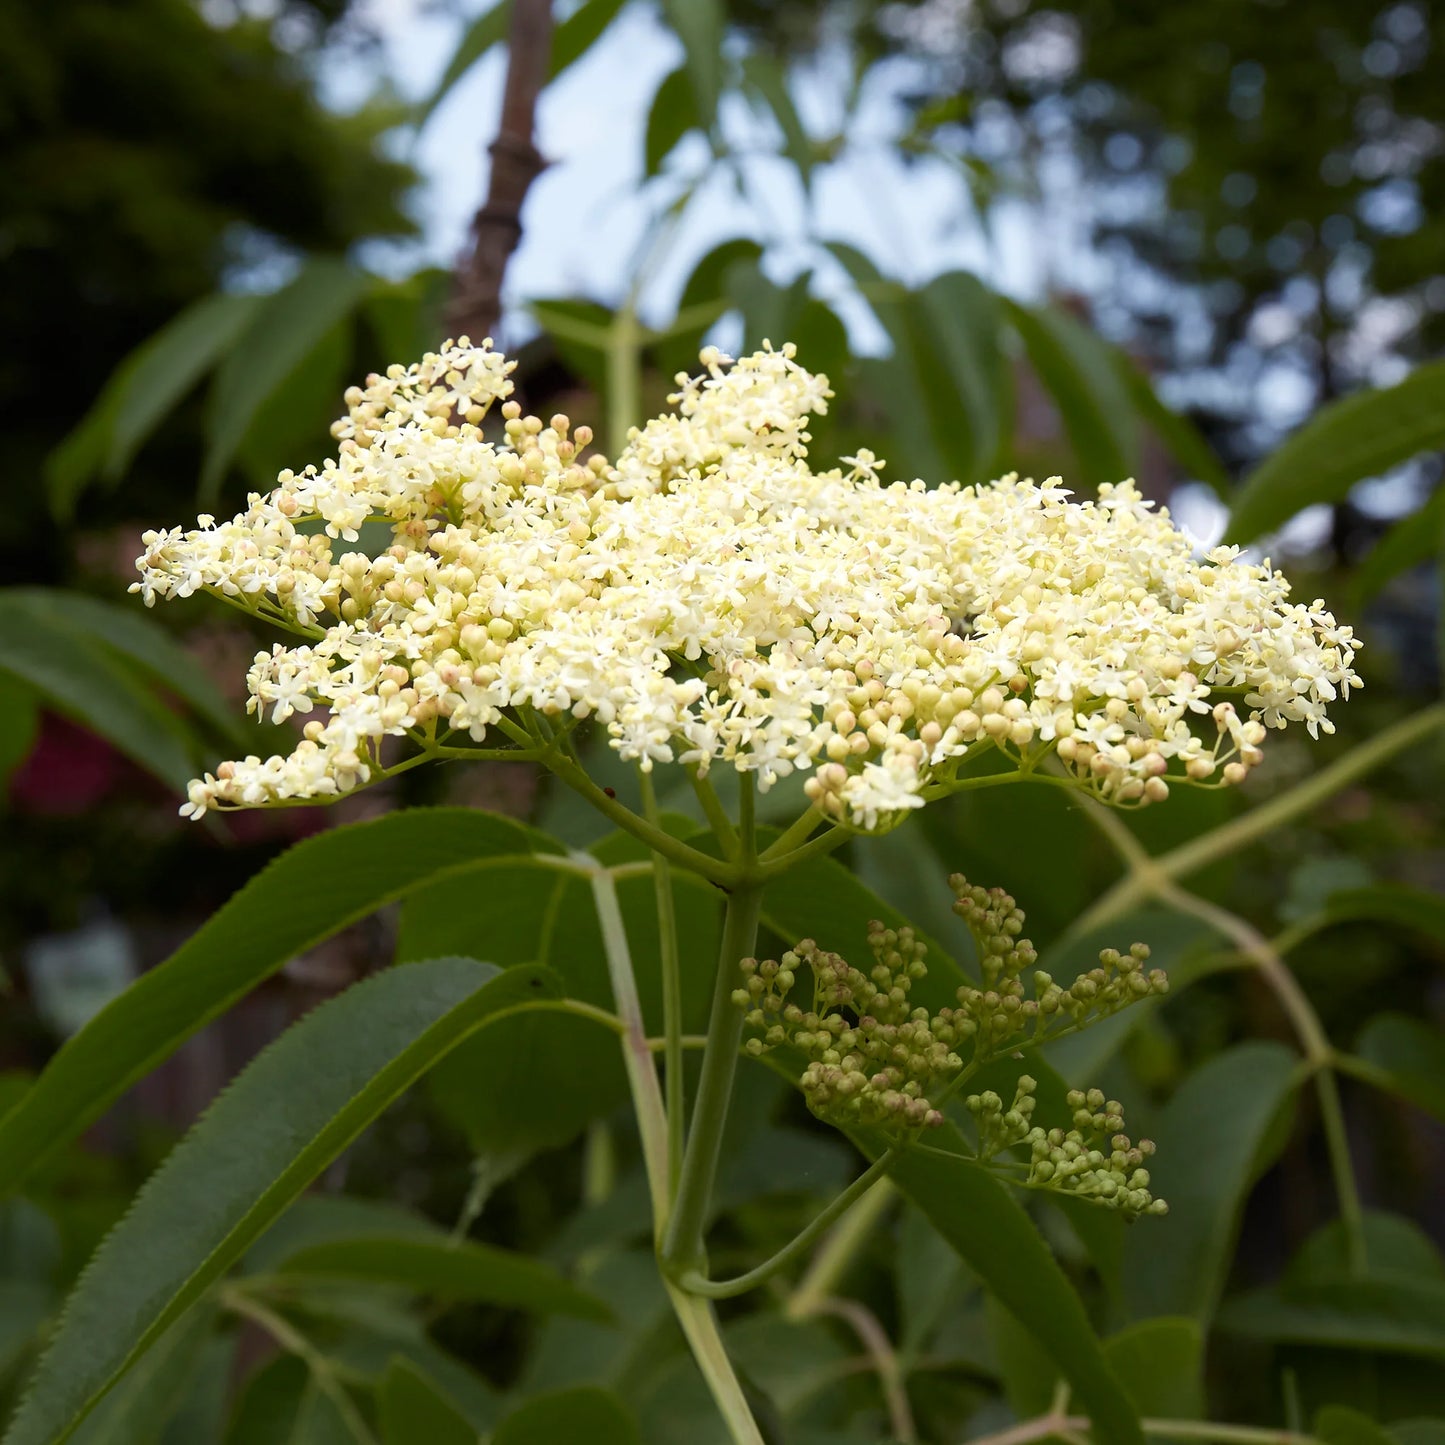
1101	238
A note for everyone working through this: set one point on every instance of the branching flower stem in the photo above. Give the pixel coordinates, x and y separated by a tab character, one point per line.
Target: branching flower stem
239	1302
1151	878
695	1282
820	1280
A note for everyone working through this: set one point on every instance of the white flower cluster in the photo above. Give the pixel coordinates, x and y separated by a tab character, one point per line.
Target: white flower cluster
709	598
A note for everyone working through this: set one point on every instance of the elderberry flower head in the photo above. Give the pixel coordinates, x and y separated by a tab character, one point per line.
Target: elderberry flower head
708	597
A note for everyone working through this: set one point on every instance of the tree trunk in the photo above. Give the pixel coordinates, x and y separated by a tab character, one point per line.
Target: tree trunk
475	306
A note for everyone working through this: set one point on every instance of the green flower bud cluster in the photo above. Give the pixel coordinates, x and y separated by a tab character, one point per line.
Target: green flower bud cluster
998	1128
1001	1011
872	1059
1094	1160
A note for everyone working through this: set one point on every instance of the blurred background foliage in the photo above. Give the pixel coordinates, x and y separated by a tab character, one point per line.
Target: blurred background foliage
1233	217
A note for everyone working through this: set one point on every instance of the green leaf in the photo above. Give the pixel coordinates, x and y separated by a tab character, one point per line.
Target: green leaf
488	29
1415	909
328	1218
551	1075
201	1413
283	330
577	34
168	365
767	77
699	25
672	114
587	1413
137	1410
1161	1363
405	317
1026	1372
1183	439
129	632
1418	1432
1409	1057
460	1270
1209	1136
267	1410
1077	369
286	1117
19	723
1410	543
88	682
312	891
144	388
1393	1246
978	1216
1340	1425
415	1410
955	326
1395	1313
900	384
1343	443
292	424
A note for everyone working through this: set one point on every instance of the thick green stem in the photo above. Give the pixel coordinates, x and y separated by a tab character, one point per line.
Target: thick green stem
695	1316
682	1248
672	1077
694	1282
699	1324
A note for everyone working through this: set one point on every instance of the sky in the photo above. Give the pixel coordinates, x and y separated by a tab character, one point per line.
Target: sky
587	221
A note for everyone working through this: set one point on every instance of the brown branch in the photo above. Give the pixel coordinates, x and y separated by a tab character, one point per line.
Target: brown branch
475	306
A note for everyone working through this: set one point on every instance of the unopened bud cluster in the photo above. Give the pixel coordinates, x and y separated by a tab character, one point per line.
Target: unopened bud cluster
1095	1159
1002	1011
872	1059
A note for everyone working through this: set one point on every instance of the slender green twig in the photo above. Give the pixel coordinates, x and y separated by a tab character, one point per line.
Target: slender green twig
818	847
1152	880
715	870
884	1358
294	1342
794	836
695	1282
1041	1427
838	1251
716	814
1231	837
682	1248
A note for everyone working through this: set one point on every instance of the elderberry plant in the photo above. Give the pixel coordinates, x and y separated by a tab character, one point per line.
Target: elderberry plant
708	599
